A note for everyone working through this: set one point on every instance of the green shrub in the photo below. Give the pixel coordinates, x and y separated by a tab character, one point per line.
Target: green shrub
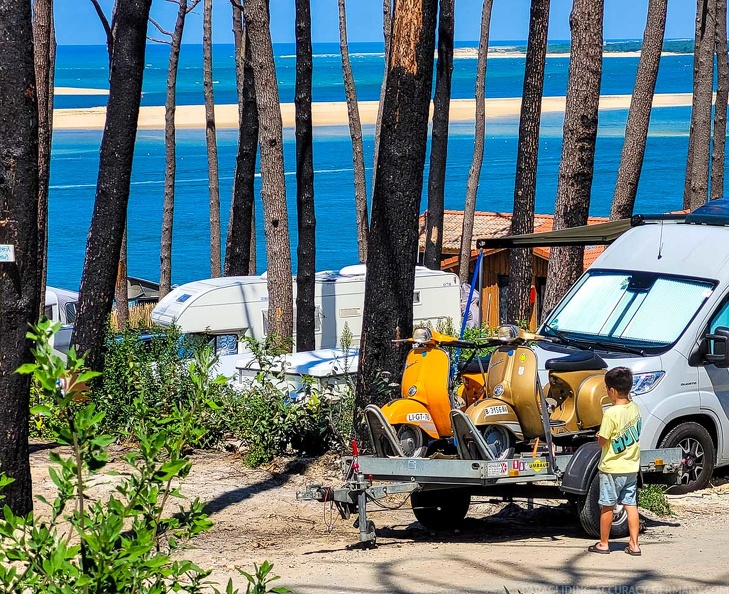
653	498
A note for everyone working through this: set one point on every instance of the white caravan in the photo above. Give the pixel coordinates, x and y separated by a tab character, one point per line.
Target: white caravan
657	301
60	305
229	308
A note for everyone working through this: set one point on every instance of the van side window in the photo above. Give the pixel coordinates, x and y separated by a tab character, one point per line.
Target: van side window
721	318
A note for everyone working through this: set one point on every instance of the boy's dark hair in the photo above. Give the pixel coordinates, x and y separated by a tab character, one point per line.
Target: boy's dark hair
620	378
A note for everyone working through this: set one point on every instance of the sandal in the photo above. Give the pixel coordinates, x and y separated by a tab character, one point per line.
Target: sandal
595	549
632	553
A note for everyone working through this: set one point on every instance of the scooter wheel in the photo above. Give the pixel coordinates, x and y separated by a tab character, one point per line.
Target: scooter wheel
412	441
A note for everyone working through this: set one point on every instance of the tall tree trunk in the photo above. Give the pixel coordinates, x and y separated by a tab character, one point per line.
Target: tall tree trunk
388	306
578	144
697	168
168	208
306	251
19	282
273	185
722	96
525	186
474	173
355	131
112	188
690	155
439	140
121	293
211	138
240	246
44	37
387	35
639	115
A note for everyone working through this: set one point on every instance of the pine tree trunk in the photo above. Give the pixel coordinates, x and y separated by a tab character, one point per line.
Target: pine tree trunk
578	145
273	186
474	173
697	170
121	292
112	189
19	280
306	251
355	131
722	96
690	155
45	63
525	186
388	307
168	208
211	139
387	35
240	246
439	140
639	115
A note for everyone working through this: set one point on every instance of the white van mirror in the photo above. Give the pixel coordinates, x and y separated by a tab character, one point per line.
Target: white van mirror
718	347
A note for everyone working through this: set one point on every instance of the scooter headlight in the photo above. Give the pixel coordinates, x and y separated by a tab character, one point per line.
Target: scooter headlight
422	335
507	333
645	382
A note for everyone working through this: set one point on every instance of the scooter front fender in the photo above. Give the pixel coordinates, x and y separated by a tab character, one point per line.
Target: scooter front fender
406	411
492	411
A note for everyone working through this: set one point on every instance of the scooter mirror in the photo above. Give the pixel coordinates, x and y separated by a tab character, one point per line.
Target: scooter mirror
507	333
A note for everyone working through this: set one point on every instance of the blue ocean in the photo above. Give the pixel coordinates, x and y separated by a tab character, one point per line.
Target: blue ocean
75	153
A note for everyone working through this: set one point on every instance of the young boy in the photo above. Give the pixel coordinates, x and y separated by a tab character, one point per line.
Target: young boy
620	459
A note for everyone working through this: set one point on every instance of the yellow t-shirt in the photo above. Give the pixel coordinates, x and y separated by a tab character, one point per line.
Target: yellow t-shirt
621	425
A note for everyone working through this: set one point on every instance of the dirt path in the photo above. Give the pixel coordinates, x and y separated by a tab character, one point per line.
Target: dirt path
257	517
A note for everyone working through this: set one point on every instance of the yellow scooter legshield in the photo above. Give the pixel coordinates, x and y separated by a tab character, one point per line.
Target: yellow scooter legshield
406	411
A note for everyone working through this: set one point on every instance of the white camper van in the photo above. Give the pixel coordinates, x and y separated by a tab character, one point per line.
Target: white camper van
230	308
60	305
657	301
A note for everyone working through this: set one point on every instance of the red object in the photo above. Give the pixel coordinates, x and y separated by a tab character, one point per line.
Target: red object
532	295
355	449
355	457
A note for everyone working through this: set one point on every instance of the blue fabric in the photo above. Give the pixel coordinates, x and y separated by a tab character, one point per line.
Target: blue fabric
618	488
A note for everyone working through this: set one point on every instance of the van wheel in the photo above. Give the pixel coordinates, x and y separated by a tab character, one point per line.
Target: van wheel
440	510
699	455
588	510
412	441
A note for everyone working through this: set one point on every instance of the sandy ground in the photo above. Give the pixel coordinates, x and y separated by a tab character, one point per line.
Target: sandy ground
333	113
257	517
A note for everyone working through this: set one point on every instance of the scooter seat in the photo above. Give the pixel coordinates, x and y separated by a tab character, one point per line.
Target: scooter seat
475	365
582	361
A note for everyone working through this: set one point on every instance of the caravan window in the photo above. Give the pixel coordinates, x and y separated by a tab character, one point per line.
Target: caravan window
70	312
641	309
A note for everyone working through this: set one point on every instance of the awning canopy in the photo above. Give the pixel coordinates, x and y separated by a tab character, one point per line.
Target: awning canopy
600	234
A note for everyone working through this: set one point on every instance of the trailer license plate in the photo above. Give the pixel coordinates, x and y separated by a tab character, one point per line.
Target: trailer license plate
497	469
496	410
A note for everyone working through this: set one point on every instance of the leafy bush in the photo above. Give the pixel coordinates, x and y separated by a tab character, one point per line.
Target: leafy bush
653	498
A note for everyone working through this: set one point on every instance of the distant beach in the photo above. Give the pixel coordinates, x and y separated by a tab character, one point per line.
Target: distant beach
333	113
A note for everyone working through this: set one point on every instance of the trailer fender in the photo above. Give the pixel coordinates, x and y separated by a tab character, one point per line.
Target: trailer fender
580	469
407	411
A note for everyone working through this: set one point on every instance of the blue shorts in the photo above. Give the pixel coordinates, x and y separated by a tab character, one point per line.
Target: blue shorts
618	488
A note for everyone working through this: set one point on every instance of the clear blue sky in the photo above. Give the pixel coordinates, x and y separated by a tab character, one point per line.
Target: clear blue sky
77	23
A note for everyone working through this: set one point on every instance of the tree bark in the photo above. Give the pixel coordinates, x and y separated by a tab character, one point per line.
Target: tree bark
240	246
168	208
387	35
578	145
639	115
211	138
690	154
112	189
121	293
439	139
19	280
525	186
722	96
474	173
388	306
306	251
355	131
273	185
44	37
697	167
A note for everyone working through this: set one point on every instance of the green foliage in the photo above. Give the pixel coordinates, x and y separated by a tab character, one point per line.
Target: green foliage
653	498
258	582
124	543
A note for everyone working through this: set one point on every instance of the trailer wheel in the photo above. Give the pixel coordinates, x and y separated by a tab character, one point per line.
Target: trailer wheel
440	510
412	441
588	510
699	455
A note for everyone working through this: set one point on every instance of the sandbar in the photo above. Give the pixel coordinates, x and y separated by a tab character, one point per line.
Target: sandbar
334	113
79	91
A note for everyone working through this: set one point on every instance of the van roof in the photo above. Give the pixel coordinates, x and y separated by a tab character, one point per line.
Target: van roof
700	251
